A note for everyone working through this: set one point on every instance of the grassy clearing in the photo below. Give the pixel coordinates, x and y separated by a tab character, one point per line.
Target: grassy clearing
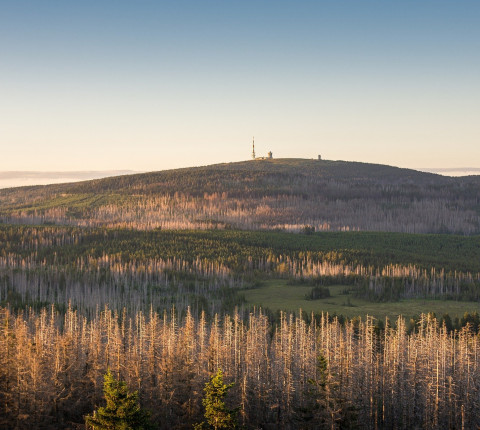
277	295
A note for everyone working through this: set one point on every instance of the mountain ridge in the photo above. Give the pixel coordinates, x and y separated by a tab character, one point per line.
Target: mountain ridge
259	194
258	165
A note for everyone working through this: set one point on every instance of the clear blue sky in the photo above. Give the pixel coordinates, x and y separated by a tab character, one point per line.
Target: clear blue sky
150	85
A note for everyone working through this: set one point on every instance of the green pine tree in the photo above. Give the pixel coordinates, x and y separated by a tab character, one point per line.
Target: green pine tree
217	415
122	411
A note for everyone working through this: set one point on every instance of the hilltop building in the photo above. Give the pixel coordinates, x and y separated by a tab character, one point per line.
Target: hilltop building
254	157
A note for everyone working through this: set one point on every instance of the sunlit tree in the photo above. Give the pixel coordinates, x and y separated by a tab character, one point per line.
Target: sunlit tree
122	411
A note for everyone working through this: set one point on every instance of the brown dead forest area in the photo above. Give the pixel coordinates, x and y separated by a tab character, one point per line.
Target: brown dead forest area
51	369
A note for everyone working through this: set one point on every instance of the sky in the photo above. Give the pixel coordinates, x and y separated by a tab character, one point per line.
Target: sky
152	85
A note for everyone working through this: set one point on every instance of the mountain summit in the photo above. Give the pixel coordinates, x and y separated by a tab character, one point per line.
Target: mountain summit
287	194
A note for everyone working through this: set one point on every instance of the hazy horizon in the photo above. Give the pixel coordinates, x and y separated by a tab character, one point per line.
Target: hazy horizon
9	179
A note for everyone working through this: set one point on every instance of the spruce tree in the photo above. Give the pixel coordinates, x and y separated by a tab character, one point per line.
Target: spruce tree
217	415
324	407
122	412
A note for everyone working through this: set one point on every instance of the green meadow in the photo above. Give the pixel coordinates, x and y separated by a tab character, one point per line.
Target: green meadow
278	295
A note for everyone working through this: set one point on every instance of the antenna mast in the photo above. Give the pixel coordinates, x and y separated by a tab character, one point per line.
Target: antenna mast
253	148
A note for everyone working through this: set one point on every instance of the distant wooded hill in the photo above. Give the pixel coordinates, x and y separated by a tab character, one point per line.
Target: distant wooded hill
286	194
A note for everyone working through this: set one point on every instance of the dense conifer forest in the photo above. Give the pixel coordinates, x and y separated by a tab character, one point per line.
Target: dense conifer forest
142	280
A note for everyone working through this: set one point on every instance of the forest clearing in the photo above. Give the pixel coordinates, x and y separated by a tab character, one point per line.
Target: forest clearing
278	295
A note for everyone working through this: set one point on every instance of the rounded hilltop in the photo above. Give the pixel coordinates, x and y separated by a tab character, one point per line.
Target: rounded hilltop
274	193
206	178
334	169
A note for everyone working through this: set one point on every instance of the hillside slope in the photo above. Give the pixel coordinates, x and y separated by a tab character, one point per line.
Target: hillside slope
262	194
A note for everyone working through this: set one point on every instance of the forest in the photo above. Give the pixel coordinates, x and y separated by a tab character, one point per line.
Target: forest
283	194
291	375
147	281
210	270
163	311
